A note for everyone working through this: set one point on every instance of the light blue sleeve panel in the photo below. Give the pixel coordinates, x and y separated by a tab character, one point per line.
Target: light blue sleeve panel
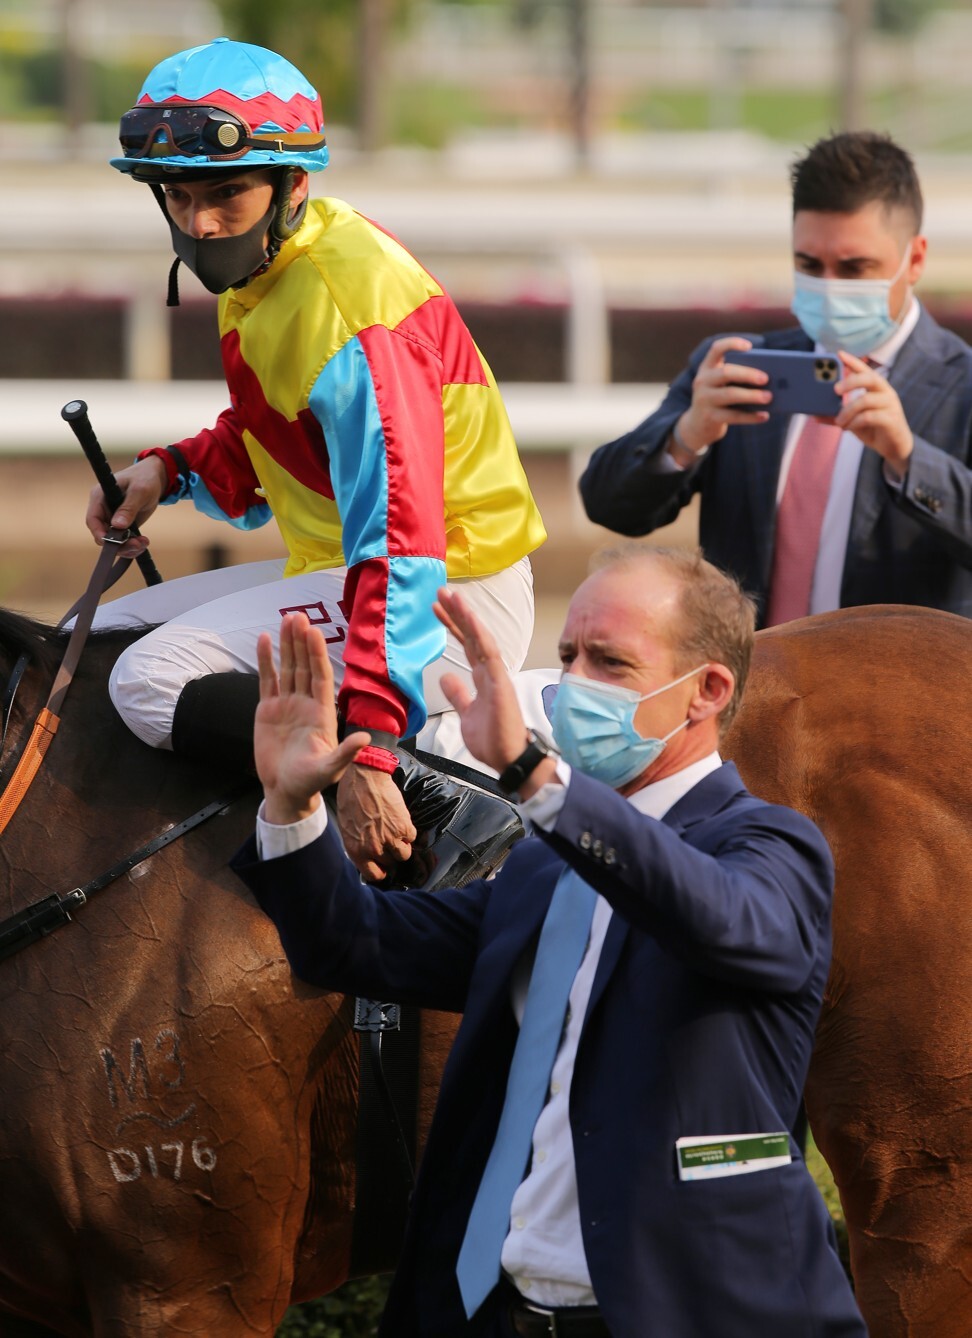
251	519
397	588
343	401
414	637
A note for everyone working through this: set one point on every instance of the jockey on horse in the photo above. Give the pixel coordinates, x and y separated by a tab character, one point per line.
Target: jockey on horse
363	419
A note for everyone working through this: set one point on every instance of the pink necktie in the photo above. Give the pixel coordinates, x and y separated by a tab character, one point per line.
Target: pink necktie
799	519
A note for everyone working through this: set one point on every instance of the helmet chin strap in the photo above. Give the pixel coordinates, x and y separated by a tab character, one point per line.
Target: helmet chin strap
214	259
172	289
286	220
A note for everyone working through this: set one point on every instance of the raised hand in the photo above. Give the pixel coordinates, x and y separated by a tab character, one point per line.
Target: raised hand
718	390
492	722
295	734
873	412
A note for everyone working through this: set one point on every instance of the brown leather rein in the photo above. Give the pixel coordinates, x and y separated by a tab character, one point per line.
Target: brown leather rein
109	567
107	571
42	917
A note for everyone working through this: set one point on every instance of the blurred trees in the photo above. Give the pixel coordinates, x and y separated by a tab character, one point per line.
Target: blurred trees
904	16
339	45
60	71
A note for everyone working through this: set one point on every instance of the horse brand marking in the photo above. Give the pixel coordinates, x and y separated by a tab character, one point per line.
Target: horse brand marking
167	1046
168	1070
126	1163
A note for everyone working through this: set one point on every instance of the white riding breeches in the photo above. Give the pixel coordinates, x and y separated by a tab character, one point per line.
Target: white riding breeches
211	621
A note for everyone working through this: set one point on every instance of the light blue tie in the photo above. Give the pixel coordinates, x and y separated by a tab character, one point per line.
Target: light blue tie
563	941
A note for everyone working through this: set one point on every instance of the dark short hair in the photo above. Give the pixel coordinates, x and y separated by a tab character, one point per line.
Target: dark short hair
844	173
717	619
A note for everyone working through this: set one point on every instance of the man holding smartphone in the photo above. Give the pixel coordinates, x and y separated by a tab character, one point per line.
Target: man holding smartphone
873	506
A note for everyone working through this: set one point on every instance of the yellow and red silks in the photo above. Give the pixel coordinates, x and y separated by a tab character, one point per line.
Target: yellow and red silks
365	420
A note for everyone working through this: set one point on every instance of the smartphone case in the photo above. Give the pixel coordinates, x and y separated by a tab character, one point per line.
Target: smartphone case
800	382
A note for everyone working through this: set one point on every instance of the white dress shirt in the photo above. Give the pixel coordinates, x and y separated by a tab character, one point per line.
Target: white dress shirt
544	1251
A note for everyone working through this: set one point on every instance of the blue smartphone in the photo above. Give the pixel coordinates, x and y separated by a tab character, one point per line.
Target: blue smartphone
799	382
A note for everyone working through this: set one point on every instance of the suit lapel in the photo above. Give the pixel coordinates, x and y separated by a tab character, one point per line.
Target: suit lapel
712	793
922	377
614	940
923	373
870	499
519	928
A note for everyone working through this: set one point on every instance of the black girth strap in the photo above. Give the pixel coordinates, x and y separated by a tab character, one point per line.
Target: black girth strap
385	1139
459	771
41	918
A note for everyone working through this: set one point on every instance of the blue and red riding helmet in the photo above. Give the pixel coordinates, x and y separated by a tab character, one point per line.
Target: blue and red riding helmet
223	106
218	110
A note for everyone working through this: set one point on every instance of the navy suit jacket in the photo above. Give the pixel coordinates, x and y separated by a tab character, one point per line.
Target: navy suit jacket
907	546
700	1022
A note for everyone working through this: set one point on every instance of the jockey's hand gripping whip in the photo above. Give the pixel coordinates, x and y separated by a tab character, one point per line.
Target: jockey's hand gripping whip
75	414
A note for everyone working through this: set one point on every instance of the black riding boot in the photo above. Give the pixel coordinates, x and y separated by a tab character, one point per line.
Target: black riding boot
464	832
213	720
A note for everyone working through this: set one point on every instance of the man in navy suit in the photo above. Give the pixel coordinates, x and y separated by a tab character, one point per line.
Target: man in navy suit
897	527
659	1190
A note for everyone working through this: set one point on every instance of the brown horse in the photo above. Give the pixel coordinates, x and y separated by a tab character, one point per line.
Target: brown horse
859	719
177	1113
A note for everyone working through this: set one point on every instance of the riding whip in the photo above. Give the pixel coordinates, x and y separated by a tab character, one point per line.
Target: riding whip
75	414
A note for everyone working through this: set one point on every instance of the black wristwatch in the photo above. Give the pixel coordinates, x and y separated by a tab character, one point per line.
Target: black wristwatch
516	773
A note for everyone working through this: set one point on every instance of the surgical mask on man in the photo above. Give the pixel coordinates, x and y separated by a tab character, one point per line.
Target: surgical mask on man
593	726
851	314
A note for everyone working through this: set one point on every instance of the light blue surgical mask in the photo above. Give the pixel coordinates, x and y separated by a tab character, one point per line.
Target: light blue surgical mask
852	314
593	726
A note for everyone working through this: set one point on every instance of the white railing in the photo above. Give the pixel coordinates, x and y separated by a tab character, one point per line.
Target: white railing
130	415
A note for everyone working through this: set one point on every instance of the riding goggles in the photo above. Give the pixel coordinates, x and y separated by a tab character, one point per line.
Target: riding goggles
190	129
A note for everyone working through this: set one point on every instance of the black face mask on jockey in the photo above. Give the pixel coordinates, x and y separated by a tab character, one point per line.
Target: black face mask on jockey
230	262
224	262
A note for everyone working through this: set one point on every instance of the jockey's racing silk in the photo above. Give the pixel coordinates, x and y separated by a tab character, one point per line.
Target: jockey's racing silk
365	420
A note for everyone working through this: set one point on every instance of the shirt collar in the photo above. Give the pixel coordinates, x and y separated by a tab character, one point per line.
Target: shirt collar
656	799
